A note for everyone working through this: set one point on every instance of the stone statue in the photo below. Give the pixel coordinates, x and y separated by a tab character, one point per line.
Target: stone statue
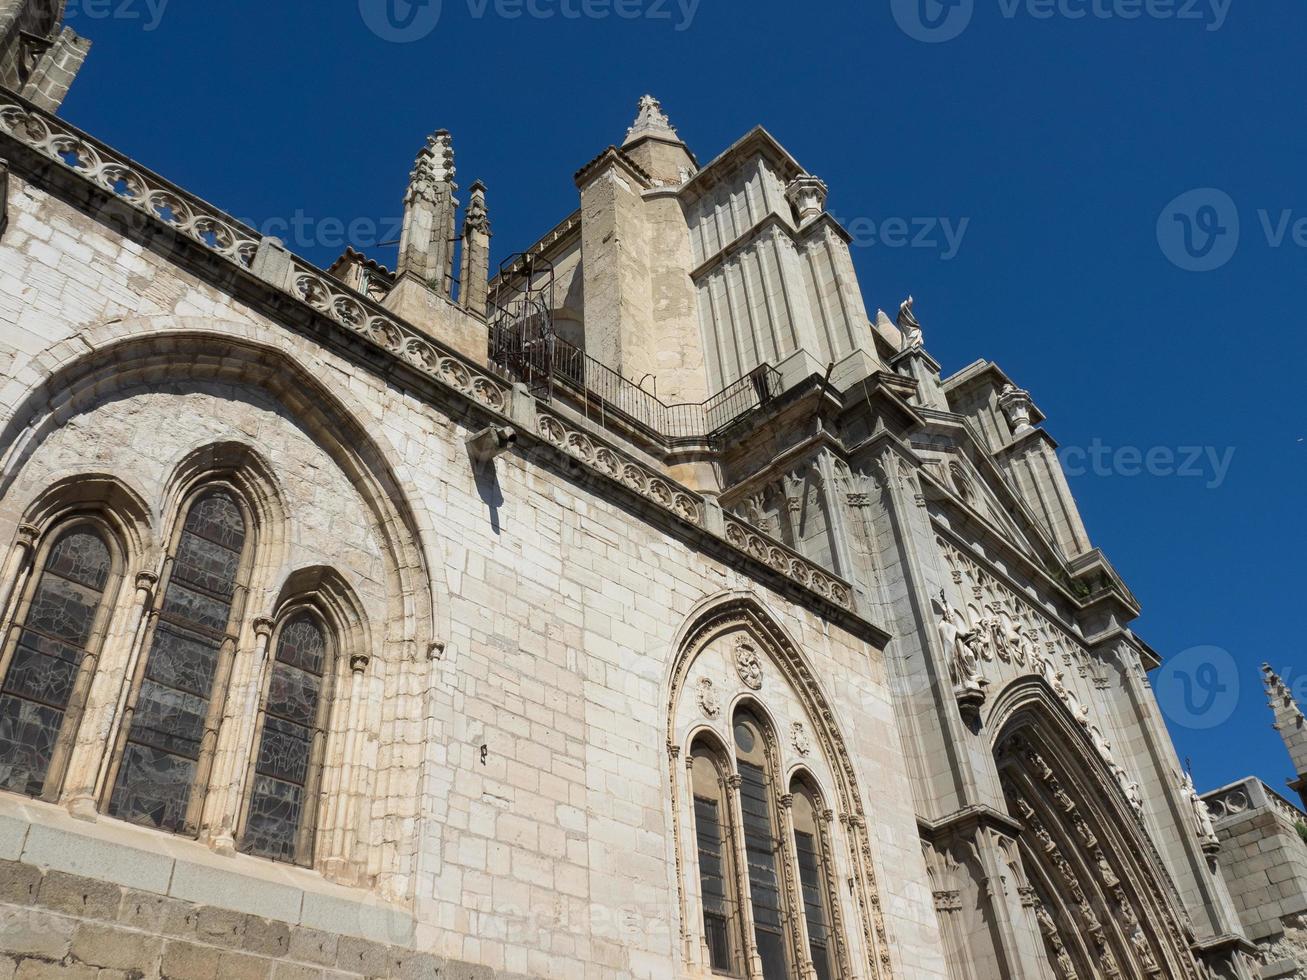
913	338
1202	816
958	637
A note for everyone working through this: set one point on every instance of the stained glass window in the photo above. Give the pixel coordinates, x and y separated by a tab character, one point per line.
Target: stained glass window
51	644
157	772
280	808
813	880
712	882
762	847
721	926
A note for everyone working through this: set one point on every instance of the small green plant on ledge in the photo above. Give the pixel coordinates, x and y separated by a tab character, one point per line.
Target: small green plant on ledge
1302	830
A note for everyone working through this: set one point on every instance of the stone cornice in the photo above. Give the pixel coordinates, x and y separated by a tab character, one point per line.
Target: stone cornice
612	157
756	141
292	288
968	820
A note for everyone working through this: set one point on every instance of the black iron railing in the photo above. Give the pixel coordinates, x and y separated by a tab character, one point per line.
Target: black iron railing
523	344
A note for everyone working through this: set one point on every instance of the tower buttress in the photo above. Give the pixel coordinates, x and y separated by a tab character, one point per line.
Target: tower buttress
1291	725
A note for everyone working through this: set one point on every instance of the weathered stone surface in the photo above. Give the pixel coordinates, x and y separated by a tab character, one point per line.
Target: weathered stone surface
525	653
110	947
189	961
79	896
18	882
30	932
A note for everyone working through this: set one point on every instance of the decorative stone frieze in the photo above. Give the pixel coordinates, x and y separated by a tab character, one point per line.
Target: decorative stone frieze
130	183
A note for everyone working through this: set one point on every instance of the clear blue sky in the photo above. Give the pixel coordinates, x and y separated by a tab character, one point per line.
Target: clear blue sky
1061	140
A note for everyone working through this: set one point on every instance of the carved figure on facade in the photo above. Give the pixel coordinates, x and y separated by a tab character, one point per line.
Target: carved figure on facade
709	701
748	665
909	326
1202	817
799	739
959	644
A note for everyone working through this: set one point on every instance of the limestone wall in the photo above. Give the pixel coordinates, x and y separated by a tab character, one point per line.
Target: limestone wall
505	781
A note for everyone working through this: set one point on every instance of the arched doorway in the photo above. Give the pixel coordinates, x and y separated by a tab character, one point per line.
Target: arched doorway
1102	900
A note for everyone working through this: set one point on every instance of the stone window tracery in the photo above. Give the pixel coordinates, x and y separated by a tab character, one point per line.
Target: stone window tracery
287	765
722	922
763	846
170	729
50	654
815	879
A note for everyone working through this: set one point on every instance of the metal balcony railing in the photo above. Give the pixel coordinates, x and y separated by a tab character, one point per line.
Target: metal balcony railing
523	344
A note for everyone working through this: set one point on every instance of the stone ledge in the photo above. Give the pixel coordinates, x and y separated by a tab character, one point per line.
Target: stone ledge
119	933
109	852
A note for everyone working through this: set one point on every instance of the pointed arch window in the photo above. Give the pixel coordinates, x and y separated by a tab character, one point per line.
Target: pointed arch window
717	878
284	784
815	880
50	656
762	844
176	706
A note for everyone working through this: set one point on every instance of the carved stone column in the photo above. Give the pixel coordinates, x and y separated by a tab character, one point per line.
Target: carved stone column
826	827
693	936
120	687
753	961
17	569
110	685
338	833
794	887
243	712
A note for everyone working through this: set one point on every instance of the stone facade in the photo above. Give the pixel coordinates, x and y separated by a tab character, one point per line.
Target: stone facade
677	618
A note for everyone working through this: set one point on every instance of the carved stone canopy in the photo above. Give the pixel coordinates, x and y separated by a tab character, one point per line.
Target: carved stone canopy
807	195
1017	406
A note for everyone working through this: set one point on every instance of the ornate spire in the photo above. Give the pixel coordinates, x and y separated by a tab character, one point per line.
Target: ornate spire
651	121
433	167
476	217
1291	725
426	247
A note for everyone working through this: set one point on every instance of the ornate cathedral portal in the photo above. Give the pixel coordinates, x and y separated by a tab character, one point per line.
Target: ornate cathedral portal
1105	907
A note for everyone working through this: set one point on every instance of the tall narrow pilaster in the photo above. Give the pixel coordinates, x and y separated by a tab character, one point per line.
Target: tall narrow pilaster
426	247
1291	725
474	270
